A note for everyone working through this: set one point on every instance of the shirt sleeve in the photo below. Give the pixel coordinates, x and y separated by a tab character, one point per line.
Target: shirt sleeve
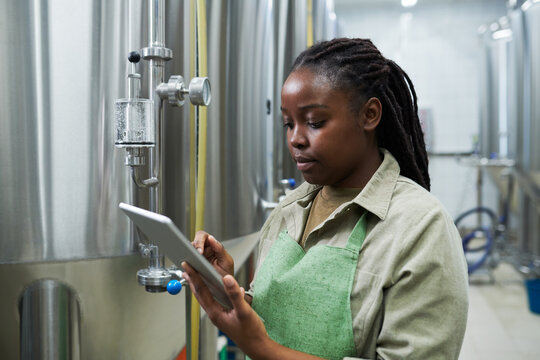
425	308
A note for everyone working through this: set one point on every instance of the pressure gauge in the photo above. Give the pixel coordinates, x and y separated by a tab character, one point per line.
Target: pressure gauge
199	91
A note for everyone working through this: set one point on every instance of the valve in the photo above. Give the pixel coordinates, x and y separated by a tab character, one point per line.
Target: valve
174	287
174	91
288	184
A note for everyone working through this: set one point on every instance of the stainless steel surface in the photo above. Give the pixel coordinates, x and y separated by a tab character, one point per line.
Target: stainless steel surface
247	154
531	125
324	19
515	86
50	321
119	319
494	111
532	85
239	66
62	178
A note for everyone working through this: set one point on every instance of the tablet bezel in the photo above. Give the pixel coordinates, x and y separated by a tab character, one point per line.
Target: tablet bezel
162	231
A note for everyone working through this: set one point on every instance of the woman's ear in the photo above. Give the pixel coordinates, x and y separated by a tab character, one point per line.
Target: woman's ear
372	112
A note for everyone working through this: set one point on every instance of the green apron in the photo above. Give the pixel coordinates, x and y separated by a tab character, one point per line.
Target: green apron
304	297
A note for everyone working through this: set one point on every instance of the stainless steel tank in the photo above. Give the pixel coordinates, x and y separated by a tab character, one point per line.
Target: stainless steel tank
494	111
531	123
251	49
65	249
252	46
62	237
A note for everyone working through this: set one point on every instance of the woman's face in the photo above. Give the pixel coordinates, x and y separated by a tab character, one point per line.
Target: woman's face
330	144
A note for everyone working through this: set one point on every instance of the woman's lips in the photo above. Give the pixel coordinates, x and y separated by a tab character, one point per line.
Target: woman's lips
304	164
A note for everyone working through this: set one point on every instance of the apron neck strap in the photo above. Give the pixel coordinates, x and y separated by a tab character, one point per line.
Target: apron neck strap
356	239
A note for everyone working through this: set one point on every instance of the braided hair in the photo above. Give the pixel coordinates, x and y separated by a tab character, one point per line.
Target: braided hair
358	67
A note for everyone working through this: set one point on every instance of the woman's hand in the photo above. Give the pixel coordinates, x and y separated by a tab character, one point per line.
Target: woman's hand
240	323
214	251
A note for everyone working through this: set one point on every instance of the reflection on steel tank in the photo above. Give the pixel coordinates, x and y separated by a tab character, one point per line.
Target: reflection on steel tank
65	248
509	113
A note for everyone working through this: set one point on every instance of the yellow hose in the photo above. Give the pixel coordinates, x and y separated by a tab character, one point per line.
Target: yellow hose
309	23
192	120
201	164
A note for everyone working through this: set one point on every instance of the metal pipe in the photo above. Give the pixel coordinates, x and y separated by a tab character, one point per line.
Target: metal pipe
156	14
154	277
156	54
156	11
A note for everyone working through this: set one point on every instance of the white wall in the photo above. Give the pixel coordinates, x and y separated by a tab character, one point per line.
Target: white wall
436	44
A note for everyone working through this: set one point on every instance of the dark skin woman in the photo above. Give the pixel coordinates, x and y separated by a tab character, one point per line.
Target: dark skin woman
351	122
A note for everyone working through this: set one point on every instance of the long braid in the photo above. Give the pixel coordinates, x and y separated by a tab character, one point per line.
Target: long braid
356	65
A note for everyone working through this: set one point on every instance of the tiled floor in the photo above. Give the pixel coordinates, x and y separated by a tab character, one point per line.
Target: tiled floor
500	325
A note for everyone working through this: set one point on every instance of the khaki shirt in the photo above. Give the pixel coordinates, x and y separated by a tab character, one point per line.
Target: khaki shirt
409	298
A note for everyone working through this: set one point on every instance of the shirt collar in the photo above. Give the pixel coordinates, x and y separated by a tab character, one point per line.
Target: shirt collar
377	194
375	197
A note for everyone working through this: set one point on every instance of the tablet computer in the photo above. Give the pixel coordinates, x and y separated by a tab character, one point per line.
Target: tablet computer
174	244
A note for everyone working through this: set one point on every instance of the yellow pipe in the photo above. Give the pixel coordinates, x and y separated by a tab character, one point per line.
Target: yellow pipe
201	164
192	120
309	23
193	345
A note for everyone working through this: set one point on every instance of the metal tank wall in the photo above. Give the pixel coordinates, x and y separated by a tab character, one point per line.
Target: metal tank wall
61	234
252	46
251	49
62	237
240	61
531	124
510	83
494	112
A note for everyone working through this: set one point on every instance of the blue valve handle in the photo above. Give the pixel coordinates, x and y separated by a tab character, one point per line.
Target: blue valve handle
292	183
174	287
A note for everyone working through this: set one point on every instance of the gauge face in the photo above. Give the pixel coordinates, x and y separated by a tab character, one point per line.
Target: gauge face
206	92
200	92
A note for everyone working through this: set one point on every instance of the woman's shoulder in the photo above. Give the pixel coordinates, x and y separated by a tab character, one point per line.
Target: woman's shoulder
419	216
410	195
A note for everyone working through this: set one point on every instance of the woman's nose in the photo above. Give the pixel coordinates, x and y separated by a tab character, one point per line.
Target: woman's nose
297	137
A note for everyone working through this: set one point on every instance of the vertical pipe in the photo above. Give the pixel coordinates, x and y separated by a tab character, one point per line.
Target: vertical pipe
156	24
192	166
156	34
202	66
156	72
309	23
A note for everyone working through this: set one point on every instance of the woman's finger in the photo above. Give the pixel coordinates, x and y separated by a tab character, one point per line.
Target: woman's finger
215	245
201	237
236	295
199	288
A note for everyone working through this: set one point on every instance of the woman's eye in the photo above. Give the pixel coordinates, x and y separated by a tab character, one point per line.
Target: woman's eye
287	124
315	124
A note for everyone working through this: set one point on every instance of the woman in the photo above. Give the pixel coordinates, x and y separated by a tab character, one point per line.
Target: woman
361	261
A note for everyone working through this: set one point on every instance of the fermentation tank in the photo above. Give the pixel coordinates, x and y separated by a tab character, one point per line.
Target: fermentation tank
68	263
531	124
510	113
65	250
494	111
